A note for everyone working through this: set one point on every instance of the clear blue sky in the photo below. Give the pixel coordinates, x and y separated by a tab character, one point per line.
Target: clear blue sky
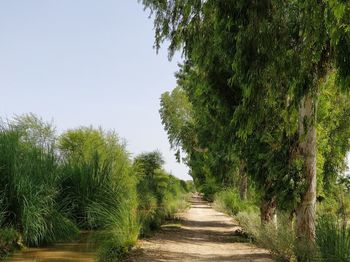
86	62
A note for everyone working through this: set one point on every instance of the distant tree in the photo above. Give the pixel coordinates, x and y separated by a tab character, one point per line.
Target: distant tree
149	162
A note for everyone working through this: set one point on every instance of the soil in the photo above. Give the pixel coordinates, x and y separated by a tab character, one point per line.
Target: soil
203	234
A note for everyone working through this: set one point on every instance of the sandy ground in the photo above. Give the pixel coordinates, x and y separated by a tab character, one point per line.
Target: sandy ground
204	235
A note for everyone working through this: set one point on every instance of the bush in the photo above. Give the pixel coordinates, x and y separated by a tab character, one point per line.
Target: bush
333	239
120	231
228	201
279	239
209	188
28	182
10	240
95	166
160	195
99	188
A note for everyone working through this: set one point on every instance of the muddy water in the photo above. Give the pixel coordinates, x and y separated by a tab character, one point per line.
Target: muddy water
79	250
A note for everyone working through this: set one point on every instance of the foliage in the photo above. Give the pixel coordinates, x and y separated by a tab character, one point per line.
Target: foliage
120	228
229	201
99	188
10	240
51	187
279	239
249	68
160	195
333	239
333	133
29	177
96	168
177	117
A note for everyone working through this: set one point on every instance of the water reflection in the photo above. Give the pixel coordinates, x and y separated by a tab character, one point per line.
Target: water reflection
78	250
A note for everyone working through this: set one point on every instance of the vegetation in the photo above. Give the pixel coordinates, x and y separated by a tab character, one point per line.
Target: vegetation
260	114
160	194
51	187
29	185
10	240
229	201
258	82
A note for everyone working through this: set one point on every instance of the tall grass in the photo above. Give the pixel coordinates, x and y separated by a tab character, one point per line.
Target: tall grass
279	239
28	185
95	167
120	229
99	188
333	239
228	201
10	240
51	188
160	195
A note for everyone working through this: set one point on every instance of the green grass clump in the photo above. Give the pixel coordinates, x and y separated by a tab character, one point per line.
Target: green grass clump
95	165
333	239
10	240
278	238
228	201
28	185
120	231
99	189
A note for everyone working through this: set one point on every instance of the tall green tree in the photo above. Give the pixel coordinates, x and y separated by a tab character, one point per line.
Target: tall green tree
273	48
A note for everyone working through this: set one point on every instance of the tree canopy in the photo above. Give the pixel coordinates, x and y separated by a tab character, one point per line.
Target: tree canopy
255	72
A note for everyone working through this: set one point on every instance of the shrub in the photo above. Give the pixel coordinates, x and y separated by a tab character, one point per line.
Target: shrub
228	201
333	239
160	195
28	182
120	229
50	189
209	188
96	166
279	239
10	240
99	189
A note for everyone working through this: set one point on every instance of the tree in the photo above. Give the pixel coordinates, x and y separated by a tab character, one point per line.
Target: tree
274	49
191	129
150	162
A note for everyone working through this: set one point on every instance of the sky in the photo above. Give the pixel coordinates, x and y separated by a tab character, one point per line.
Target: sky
87	62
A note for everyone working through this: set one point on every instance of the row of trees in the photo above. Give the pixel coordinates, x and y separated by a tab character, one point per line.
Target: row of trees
258	79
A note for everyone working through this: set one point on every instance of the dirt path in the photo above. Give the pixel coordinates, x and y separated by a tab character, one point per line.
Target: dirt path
204	235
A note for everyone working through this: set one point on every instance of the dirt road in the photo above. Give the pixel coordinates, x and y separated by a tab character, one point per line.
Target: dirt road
204	235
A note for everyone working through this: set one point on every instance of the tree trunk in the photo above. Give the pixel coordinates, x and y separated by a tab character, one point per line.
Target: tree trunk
268	210
243	185
305	211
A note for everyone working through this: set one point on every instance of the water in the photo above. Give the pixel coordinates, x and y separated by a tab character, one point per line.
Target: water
79	250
